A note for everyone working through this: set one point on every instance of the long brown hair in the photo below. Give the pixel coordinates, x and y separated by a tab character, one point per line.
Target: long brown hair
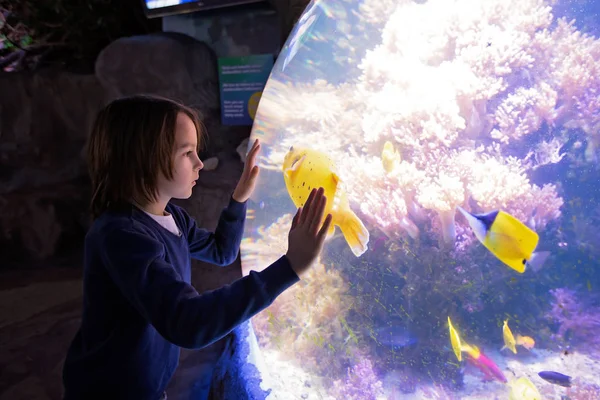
131	141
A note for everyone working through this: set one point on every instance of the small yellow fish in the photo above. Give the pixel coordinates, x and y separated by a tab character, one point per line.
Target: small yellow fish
509	339
511	241
523	389
389	157
458	345
525	341
455	341
305	169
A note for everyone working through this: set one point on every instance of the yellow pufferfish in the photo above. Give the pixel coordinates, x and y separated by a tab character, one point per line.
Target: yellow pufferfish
305	169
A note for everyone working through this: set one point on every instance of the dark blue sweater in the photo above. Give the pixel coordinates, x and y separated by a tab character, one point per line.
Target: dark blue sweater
139	307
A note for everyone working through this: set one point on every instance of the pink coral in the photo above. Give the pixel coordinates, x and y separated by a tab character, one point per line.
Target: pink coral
573	68
582	390
573	315
361	383
538	207
523	111
443	194
384	205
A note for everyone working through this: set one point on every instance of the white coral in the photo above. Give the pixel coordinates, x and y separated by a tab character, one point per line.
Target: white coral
446	76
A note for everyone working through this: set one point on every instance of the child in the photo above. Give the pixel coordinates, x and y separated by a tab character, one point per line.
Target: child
139	307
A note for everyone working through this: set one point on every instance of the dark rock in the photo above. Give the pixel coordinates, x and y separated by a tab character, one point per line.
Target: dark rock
45	121
43	126
169	64
173	65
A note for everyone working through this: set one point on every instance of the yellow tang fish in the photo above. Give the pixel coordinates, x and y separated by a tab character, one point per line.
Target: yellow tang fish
523	389
305	169
509	339
511	241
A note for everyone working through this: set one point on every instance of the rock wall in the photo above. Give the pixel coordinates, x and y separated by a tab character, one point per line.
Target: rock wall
44	120
44	123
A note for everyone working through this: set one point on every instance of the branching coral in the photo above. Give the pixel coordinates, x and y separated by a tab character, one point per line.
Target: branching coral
523	112
452	85
451	54
576	76
502	184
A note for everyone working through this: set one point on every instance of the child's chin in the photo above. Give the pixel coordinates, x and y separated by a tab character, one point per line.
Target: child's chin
184	196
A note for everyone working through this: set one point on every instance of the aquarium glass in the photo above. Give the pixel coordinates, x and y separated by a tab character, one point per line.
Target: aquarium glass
460	142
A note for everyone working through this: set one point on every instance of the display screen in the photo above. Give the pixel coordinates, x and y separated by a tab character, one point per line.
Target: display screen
161	8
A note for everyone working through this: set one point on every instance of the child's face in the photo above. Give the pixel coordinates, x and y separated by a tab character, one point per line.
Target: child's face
186	163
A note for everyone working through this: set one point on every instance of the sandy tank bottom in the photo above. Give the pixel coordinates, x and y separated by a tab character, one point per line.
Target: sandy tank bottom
289	381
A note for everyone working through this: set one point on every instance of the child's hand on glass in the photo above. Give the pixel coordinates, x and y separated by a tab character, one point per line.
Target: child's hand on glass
247	181
307	235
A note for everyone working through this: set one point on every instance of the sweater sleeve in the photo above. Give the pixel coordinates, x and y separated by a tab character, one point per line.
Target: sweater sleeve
222	246
135	262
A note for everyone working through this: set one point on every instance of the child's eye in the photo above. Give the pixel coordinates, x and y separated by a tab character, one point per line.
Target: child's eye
189	153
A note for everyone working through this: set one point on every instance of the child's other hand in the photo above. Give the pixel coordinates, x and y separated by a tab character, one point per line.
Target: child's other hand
247	181
306	237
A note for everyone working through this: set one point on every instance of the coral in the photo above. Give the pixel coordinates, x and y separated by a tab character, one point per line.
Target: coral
383	205
361	383
583	391
577	76
475	79
451	54
306	321
272	243
377	11
538	207
523	112
443	193
576	317
545	153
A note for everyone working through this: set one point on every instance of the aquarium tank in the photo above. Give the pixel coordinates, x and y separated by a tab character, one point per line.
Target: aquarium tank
458	142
